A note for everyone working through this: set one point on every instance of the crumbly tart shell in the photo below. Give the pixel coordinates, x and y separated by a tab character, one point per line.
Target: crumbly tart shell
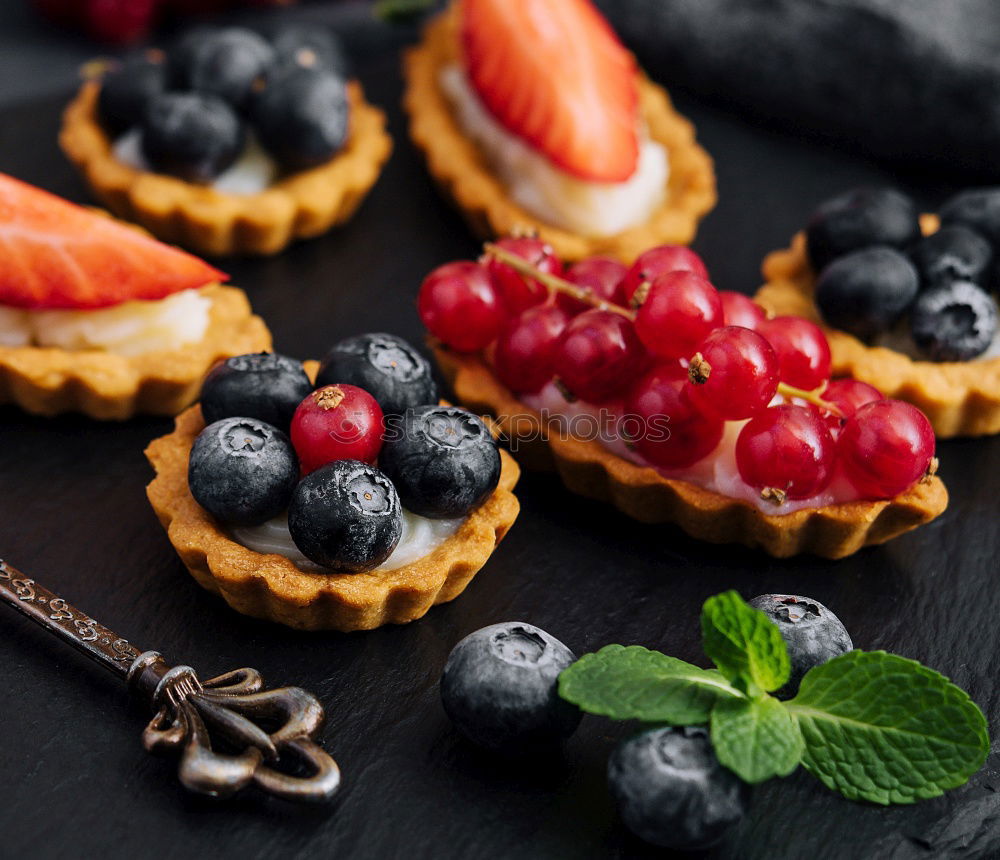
298	206
109	387
270	586
961	398
463	174
587	468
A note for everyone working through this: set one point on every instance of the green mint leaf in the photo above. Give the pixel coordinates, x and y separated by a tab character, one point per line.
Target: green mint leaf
744	644
634	683
885	729
400	10
756	738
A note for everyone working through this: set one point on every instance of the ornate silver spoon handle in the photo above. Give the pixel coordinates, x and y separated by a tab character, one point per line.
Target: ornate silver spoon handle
258	728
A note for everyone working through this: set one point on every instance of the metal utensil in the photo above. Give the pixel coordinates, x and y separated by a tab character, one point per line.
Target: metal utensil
257	727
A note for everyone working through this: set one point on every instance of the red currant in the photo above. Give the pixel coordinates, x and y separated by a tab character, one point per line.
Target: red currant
660	260
668	430
787	448
885	448
601	276
459	305
518	291
598	355
678	314
738	309
802	350
525	351
848	395
734	375
336	422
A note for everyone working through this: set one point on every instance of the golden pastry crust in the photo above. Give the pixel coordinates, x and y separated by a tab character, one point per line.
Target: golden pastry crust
589	469
960	398
460	170
270	586
109	387
297	206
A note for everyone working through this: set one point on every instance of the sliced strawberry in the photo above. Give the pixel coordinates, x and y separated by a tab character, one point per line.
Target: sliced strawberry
55	254
554	73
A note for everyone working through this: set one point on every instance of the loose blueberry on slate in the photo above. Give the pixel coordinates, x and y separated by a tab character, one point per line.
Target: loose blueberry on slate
671	790
812	633
865	292
227	63
978	208
346	516
126	90
301	116
310	47
955	322
242	471
857	219
499	688
953	253
443	460
262	385
191	135
385	366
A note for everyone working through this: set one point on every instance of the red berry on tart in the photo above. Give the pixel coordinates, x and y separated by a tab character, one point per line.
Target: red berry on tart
673	413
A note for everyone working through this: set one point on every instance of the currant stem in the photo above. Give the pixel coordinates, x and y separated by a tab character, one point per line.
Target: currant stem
553	282
813	397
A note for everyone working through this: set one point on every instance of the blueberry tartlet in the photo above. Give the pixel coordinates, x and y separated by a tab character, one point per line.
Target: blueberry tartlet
323	504
230	143
648	388
533	117
908	301
98	317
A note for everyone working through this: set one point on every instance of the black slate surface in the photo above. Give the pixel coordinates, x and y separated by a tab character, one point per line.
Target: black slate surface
74	780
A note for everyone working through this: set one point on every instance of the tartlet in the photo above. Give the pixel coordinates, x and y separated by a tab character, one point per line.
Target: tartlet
589	469
959	398
272	587
459	168
299	205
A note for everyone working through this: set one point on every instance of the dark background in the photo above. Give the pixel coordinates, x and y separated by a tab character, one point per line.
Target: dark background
74	780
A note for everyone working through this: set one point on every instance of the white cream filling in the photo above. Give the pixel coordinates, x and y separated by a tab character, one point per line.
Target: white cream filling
421	536
551	194
717	471
128	329
254	171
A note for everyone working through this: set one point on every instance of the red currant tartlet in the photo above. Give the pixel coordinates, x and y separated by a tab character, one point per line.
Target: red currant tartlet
680	404
327	504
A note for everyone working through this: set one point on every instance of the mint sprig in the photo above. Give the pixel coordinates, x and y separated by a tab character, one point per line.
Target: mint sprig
871	725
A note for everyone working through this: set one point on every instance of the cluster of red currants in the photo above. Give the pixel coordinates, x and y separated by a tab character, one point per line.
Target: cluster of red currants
660	340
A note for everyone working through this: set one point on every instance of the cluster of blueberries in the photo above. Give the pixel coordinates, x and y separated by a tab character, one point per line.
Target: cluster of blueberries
346	515
876	268
500	689
195	104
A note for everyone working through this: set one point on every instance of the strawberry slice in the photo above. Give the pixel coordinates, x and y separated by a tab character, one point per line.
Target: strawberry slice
554	73
55	254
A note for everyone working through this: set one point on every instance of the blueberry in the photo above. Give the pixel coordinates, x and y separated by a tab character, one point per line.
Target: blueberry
443	460
228	63
128	88
865	292
954	322
857	219
500	688
812	633
310	47
385	366
671	790
346	516
953	253
978	208
191	135
262	385
181	54
242	471
301	116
